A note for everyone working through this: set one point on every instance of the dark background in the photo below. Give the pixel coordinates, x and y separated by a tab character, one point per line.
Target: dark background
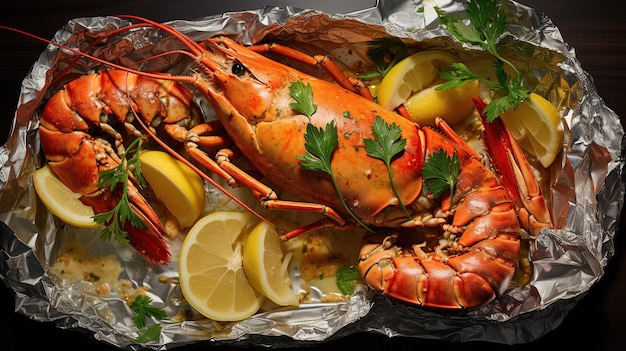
594	28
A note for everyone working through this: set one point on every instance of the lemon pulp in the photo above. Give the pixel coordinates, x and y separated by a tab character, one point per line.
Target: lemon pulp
175	184
411	75
538	128
60	200
412	82
210	268
266	266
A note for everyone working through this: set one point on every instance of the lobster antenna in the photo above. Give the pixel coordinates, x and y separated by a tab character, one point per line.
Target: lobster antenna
192	46
103	61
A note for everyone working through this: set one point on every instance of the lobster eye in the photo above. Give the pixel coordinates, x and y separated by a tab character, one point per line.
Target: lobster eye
238	68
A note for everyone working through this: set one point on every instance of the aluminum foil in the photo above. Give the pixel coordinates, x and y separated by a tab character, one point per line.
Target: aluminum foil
587	187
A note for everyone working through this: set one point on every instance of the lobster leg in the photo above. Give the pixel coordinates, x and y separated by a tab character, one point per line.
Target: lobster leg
323	61
235	176
268	197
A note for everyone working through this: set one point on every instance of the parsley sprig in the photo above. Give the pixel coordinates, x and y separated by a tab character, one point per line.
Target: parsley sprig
142	311
487	25
440	172
115	219
320	143
386	145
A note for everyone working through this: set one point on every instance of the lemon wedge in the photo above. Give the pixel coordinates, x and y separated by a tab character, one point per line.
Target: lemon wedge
266	267
60	200
176	185
538	128
410	75
453	105
210	268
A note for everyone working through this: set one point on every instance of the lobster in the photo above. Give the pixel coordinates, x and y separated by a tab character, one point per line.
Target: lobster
250	95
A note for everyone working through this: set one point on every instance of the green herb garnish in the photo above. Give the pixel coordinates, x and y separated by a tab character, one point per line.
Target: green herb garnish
151	333
347	279
303	94
487	25
319	143
440	172
379	53
143	310
386	145
115	219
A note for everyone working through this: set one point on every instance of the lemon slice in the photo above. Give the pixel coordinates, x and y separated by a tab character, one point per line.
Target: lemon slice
538	128
60	200
176	185
453	105
210	268
266	267
411	75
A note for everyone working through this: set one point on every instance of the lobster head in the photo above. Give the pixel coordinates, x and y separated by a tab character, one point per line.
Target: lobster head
243	82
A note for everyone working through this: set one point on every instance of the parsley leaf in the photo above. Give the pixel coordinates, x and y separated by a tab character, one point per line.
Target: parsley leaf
455	75
487	25
122	213
347	279
319	143
386	145
303	95
142	310
440	172
152	333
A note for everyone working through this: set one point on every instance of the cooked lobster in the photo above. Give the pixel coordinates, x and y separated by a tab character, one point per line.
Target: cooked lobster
477	227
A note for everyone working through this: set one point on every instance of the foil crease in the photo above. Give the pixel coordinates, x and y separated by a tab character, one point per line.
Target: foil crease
588	188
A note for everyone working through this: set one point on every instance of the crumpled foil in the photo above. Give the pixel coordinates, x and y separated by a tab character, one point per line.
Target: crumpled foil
587	187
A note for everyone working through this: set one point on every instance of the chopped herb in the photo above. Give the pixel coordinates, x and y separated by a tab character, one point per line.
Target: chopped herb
347	279
440	172
487	25
93	277
115	219
386	145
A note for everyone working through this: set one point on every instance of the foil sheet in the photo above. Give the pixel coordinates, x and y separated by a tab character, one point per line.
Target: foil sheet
587	189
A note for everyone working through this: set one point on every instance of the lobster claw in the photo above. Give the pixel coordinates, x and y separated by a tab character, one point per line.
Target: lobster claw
516	173
148	240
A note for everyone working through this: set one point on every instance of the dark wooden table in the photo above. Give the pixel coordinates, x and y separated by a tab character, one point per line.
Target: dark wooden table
593	28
